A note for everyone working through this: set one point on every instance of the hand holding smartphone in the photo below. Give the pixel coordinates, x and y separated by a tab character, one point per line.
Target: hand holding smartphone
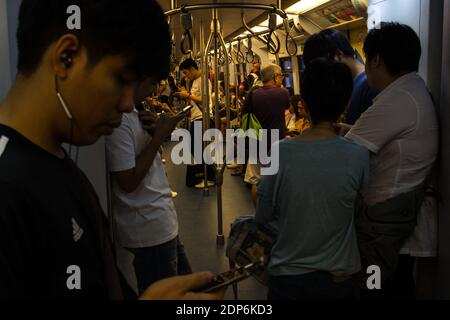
188	108
230	277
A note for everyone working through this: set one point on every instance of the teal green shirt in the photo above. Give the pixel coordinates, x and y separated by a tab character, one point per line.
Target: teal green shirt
311	201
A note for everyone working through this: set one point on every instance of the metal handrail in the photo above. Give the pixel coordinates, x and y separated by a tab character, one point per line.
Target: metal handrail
269	44
231	5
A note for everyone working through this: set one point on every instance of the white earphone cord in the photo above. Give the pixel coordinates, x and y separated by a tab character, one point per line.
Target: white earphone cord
69	115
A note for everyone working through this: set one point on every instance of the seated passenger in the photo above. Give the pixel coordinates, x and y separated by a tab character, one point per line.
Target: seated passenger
296	119
291	113
311	200
303	123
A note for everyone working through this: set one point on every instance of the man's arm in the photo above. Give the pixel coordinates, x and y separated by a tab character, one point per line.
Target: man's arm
265	205
197	99
183	288
384	122
186	95
129	180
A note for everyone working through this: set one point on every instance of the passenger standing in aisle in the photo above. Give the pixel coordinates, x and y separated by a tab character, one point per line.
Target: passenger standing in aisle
311	201
254	78
267	103
333	44
144	211
189	68
401	131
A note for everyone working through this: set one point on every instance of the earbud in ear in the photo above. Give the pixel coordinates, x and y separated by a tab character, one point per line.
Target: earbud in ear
66	59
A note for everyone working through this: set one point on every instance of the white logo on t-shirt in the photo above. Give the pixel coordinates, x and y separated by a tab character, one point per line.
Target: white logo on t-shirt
77	231
3	143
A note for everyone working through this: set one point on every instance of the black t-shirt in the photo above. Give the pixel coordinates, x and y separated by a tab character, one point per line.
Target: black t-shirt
50	220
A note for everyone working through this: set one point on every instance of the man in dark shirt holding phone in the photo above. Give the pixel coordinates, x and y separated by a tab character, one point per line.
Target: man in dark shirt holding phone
53	236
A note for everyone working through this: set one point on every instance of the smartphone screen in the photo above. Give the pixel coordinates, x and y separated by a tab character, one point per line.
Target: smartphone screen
226	279
188	108
230	277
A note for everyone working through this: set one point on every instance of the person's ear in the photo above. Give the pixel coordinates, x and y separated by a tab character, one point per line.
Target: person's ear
377	61
145	89
64	54
339	56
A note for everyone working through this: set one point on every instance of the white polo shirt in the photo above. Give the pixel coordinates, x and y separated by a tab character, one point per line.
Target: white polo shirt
146	217
196	90
401	130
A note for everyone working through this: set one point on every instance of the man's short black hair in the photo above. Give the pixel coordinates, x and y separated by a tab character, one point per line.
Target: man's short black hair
188	64
397	44
326	88
135	29
326	44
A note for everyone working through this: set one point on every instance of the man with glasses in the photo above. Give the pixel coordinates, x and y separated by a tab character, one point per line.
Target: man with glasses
267	103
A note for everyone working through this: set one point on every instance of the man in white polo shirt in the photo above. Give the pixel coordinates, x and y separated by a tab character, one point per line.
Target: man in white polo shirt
194	97
144	211
401	131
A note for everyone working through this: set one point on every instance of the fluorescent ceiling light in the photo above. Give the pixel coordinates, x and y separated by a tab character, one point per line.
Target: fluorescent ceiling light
298	7
241	35
259	28
265	23
305	5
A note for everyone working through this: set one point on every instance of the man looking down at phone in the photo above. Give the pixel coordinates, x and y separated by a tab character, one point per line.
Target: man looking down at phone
190	70
145	214
72	87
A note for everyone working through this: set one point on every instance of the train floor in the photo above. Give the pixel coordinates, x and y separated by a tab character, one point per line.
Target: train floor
197	216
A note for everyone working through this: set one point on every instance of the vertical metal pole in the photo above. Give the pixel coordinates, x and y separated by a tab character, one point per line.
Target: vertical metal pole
205	90
226	80
205	97
206	106
236	78
216	69
277	55
218	167
194	46
172	7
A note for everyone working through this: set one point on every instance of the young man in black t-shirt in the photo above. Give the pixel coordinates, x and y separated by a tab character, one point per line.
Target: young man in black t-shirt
72	87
